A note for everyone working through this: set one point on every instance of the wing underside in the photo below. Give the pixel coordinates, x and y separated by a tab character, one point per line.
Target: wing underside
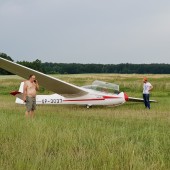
49	82
133	99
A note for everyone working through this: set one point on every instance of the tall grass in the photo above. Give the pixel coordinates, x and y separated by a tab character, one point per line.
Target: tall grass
73	137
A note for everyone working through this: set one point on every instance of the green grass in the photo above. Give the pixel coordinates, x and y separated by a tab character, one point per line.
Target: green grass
73	137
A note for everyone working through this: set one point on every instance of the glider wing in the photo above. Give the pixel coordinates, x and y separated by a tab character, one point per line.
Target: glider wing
133	99
56	85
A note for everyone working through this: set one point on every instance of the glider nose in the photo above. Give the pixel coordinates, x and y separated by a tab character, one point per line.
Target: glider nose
126	97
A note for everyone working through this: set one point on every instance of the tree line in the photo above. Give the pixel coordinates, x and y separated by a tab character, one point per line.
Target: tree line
77	68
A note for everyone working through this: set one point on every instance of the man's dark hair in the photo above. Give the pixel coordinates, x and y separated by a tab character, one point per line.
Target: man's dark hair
31	75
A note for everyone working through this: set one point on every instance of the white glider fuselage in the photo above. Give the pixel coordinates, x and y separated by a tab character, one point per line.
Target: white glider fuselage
88	99
91	98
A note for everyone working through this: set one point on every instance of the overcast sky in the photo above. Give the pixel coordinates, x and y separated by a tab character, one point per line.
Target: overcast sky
86	31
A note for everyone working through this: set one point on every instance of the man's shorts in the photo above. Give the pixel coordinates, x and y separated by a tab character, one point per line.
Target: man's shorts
30	103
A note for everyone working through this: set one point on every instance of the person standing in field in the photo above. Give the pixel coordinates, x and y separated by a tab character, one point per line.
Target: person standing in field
147	87
29	95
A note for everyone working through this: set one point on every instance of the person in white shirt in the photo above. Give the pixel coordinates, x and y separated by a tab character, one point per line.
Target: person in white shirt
147	87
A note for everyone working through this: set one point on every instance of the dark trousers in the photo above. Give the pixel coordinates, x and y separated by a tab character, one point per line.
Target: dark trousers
146	100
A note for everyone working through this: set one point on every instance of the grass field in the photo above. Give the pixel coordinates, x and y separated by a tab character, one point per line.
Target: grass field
75	138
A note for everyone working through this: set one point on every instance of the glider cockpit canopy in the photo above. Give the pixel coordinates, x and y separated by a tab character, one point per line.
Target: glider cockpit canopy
103	87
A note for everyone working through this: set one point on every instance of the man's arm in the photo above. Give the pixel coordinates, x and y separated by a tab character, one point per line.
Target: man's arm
37	85
150	88
24	91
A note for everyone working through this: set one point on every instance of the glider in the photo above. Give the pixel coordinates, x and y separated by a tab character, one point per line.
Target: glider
99	93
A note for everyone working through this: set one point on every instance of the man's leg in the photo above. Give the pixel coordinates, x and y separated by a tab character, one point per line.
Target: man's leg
32	114
26	114
28	107
33	107
148	102
145	101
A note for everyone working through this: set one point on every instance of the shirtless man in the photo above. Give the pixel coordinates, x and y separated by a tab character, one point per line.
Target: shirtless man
29	95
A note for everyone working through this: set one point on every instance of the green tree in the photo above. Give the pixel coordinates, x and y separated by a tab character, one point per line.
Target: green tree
2	71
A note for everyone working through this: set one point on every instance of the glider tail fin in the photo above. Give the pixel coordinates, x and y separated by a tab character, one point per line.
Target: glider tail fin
19	94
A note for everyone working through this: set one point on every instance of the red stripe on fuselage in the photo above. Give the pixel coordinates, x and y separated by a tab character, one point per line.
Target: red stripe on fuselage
111	97
80	100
